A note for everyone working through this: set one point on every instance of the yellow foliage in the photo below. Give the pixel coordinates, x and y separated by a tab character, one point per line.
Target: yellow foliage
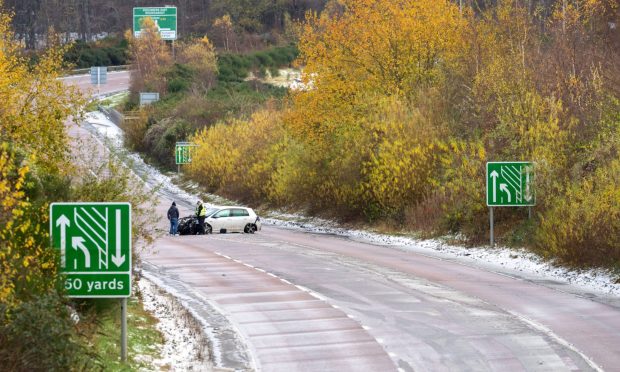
584	227
239	155
150	56
386	46
33	102
200	57
22	261
34	105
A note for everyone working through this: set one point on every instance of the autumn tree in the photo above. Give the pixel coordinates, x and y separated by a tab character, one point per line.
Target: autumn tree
224	27
150	57
387	46
200	57
35	329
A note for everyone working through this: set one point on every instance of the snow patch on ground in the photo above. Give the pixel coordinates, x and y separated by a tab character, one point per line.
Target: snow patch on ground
514	262
185	348
500	259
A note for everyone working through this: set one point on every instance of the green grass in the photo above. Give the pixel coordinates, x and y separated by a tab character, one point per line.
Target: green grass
144	341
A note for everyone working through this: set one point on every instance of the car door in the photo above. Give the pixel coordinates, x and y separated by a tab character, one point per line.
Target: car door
221	220
239	217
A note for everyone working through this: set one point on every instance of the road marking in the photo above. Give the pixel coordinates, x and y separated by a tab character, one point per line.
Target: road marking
561	341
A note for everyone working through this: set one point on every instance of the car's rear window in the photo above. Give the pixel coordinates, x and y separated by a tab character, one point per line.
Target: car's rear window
240	213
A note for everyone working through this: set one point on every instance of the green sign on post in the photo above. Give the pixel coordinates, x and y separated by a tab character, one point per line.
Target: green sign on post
165	19
183	152
94	240
510	184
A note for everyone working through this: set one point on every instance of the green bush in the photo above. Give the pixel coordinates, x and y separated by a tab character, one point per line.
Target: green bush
236	67
38	335
179	78
108	52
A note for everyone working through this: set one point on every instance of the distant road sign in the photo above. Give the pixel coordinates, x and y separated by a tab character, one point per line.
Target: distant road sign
510	184
94	240
183	152
165	19
146	98
98	75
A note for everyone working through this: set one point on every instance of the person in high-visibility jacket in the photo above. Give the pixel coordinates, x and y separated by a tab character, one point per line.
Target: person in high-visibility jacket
201	212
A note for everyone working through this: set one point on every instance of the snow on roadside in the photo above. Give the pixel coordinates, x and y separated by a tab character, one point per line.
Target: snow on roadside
520	262
185	347
515	262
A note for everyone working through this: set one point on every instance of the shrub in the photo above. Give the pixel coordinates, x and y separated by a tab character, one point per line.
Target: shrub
235	67
583	226
38	335
107	52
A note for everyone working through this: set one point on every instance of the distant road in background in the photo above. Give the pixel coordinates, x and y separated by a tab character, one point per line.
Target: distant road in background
117	81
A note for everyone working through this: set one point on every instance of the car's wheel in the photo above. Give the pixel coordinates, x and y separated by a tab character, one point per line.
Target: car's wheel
249	228
208	229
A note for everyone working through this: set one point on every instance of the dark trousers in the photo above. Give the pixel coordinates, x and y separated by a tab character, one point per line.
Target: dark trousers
174	224
201	225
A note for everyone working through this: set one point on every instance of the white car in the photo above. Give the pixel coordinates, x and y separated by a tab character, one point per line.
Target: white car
232	219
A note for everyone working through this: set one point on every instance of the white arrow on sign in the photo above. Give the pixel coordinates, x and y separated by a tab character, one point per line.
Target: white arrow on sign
117	258
528	193
494	175
78	242
63	222
503	187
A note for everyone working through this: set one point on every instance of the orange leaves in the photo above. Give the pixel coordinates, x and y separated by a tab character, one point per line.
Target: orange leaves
387	46
150	56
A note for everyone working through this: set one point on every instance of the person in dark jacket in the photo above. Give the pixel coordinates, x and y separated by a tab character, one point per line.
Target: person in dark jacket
173	216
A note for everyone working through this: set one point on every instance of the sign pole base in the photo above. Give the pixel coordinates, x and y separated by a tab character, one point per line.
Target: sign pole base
124	330
491	226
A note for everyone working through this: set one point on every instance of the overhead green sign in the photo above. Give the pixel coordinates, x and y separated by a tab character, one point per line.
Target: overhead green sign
510	184
94	240
183	152
165	19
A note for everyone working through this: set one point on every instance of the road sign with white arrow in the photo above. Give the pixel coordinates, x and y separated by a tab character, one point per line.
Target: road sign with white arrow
510	184
94	240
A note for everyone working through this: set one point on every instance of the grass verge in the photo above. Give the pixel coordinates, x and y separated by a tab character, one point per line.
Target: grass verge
144	341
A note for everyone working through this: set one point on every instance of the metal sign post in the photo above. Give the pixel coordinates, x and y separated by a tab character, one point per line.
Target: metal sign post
98	76
509	184
94	241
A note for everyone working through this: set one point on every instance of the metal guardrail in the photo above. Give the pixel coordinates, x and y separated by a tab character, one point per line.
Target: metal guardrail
86	71
115	116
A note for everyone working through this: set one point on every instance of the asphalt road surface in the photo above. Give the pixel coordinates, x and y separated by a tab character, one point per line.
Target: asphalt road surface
289	300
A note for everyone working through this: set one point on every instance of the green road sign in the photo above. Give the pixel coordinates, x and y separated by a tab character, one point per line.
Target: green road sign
183	152
94	240
165	18
510	184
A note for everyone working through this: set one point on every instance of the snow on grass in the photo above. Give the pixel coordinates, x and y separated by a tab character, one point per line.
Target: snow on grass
185	348
514	262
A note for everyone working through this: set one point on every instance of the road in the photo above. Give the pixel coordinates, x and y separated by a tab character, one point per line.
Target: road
290	300
117	81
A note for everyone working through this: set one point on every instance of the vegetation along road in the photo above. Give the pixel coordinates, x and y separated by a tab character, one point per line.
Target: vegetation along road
311	301
438	183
